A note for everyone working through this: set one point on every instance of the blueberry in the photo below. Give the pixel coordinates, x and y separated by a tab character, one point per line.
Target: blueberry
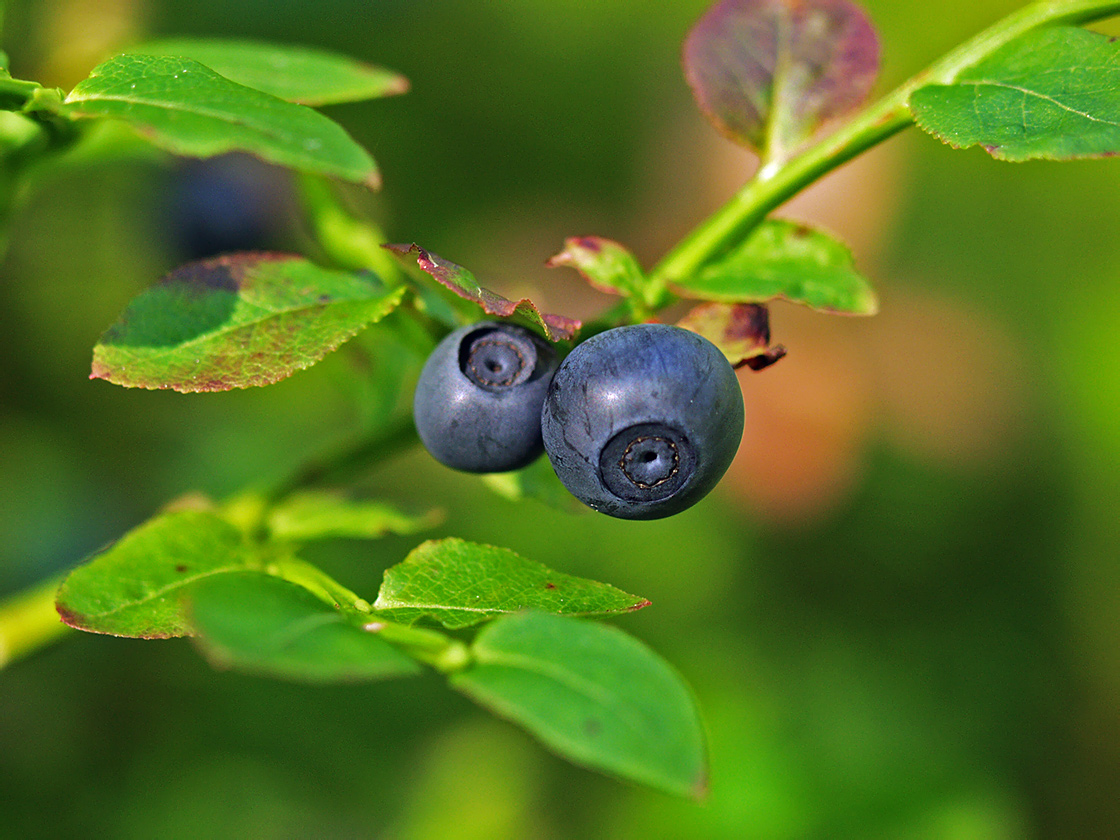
478	401
641	422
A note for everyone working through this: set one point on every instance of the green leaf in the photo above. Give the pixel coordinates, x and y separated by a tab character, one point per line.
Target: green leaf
1053	93
316	515
536	481
594	695
135	586
188	109
768	73
237	321
740	330
782	259
258	623
296	74
17	132
462	282
460	583
605	264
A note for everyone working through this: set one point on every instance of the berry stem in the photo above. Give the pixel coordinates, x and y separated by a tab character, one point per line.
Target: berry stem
773	185
440	651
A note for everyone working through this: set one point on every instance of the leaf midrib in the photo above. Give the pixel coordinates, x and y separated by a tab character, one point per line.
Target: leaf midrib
161	592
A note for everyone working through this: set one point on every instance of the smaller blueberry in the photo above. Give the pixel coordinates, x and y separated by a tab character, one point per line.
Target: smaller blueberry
478	401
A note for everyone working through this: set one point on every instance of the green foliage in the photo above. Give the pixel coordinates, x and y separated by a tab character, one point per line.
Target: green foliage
260	624
768	73
134	588
536	481
237	321
460	584
593	694
783	259
15	92
317	515
605	264
1053	94
295	74
188	109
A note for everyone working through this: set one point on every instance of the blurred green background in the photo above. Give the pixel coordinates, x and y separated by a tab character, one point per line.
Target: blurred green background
900	612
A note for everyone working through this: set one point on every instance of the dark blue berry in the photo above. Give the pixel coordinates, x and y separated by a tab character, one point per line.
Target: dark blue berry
478	401
641	422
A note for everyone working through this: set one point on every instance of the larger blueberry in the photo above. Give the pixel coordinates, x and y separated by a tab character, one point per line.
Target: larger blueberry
478	401
641	422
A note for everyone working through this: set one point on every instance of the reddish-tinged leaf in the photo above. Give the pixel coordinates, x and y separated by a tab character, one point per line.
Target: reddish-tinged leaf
237	321
768	73
135	586
604	263
462	282
740	330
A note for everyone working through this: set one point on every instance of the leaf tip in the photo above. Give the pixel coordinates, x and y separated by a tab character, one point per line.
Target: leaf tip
640	605
69	617
398	85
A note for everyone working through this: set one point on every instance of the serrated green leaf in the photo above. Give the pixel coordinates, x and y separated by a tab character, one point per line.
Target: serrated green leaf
237	321
304	75
767	73
188	109
462	282
740	330
460	583
593	694
135	587
316	515
262	624
604	263
782	259
1053	93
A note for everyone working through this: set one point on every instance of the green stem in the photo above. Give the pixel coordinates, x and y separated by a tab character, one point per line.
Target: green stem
315	580
429	646
443	653
774	184
29	621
